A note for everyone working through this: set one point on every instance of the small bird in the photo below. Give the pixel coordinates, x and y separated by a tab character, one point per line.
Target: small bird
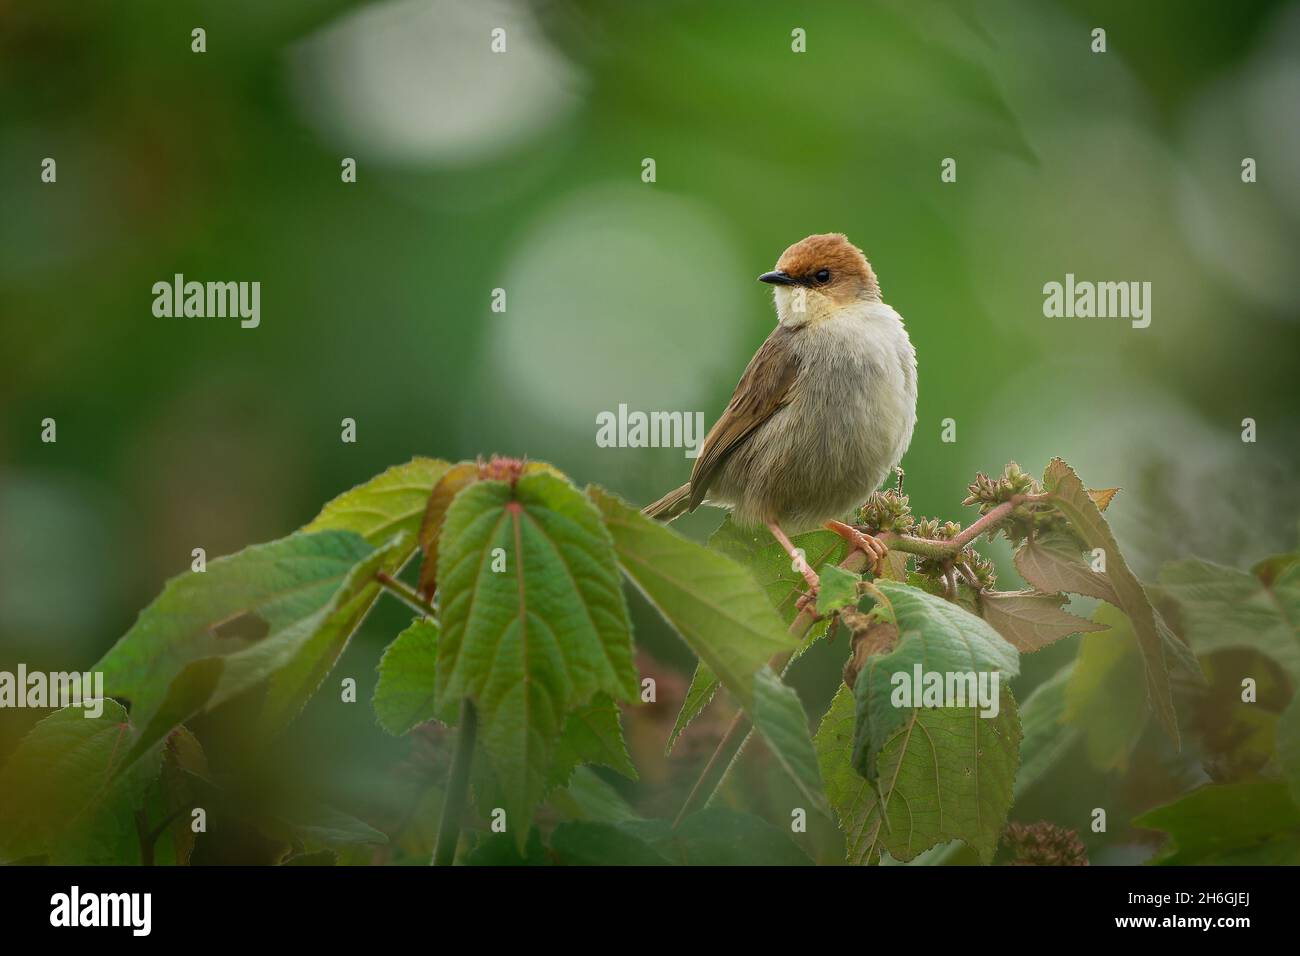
823	412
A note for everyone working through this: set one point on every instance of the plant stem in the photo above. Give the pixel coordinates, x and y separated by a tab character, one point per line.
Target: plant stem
733	741
405	594
453	804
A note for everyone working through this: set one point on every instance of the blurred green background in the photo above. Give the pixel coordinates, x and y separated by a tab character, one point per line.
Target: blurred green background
522	171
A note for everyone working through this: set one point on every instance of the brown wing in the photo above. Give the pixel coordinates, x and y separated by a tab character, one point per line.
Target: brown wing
764	388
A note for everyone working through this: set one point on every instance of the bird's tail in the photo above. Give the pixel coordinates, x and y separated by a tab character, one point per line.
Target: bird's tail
670	505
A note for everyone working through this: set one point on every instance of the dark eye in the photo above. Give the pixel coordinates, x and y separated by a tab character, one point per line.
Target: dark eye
823	276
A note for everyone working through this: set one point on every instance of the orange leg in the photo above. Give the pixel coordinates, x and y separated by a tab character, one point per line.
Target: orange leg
800	564
873	548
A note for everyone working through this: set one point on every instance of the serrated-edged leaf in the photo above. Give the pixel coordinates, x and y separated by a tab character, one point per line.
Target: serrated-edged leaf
298	668
1072	499
288	585
703	686
593	734
1047	738
780	720
772	568
1221	607
1104	698
1235	824
391	502
536	640
1029	620
839	589
403	695
62	772
1054	563
946	774
708	599
937	637
588	797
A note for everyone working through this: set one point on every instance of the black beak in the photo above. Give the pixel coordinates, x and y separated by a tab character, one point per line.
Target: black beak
776	278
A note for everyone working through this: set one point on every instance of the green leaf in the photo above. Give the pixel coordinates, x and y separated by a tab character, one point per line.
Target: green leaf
587	843
936	636
1104	698
703	686
390	503
537	640
1237	824
177	660
780	720
593	734
1029	621
1222	608
1288	746
772	568
710	600
588	797
62	773
299	668
717	836
403	697
839	589
500	849
1073	501
946	774
1047	738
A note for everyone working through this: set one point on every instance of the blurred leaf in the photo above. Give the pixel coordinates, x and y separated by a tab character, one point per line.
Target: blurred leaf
588	843
1288	746
839	589
1072	500
780	720
1236	824
592	734
703	686
1222	607
710	600
717	836
165	663
1047	738
403	696
63	792
391	502
500	849
935	635
946	774
1104	698
1030	621
532	643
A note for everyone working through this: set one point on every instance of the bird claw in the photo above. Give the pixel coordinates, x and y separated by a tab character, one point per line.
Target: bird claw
868	544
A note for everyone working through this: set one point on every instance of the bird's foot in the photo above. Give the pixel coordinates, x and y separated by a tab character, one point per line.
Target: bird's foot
868	544
899	471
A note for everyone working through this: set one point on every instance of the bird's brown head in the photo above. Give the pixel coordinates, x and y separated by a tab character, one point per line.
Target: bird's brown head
822	273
